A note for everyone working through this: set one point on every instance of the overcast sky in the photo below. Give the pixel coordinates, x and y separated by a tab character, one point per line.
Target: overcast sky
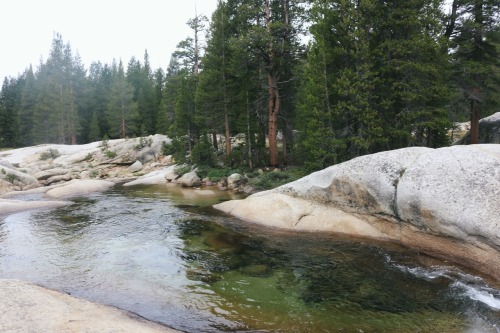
99	30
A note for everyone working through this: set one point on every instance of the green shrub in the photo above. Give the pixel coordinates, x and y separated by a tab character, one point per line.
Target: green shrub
182	169
203	153
10	177
178	148
216	174
144	142
271	180
49	154
104	143
110	154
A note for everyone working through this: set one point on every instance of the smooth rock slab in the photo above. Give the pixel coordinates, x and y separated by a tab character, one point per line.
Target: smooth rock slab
80	187
445	202
14	206
27	308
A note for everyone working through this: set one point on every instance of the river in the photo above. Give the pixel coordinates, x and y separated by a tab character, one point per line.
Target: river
165	254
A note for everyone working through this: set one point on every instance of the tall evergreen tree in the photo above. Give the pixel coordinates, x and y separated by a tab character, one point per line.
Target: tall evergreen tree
27	110
9	101
122	110
212	97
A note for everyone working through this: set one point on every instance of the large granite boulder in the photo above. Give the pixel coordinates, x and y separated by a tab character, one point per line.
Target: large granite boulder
443	201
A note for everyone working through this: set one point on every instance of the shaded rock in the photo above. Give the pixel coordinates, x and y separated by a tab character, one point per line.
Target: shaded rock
234	180
46	174
29	308
171	175
137	166
58	179
489	131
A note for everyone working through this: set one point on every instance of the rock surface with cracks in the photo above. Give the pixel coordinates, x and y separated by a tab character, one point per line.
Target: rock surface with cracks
444	201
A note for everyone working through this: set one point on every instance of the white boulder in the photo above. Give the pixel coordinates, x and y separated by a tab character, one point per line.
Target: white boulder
444	201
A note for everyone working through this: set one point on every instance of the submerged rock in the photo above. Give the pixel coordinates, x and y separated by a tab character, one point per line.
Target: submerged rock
443	201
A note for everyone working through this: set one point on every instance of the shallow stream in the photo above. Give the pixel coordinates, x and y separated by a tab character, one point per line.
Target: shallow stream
164	253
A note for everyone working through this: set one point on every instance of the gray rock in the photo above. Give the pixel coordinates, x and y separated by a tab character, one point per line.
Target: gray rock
445	202
234	180
13	175
189	179
489	131
58	179
137	166
46	174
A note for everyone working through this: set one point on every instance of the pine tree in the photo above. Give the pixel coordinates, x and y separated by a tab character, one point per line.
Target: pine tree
27	109
9	101
122	112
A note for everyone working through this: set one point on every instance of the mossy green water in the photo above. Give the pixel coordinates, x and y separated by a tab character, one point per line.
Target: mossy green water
341	287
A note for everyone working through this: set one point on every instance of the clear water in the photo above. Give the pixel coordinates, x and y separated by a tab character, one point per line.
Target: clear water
165	254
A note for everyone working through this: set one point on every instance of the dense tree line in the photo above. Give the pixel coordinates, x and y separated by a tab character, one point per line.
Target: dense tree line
312	82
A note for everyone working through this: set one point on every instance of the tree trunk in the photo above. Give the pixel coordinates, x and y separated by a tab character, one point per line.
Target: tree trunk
214	140
474	118
249	138
273	108
273	96
123	126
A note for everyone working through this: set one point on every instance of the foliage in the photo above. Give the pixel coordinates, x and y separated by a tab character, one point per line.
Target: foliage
375	75
110	153
216	173
273	179
178	148
49	154
203	153
104	144
182	169
143	143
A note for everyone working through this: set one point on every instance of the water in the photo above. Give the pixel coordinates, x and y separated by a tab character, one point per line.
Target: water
165	254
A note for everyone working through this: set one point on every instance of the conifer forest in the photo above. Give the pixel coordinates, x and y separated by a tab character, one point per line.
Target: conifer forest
296	82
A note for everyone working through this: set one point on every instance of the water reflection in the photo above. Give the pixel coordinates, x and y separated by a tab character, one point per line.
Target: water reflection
166	255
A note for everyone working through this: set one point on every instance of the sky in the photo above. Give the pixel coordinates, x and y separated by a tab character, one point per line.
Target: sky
99	30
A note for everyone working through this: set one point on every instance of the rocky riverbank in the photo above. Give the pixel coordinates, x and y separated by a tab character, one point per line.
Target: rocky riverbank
445	202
